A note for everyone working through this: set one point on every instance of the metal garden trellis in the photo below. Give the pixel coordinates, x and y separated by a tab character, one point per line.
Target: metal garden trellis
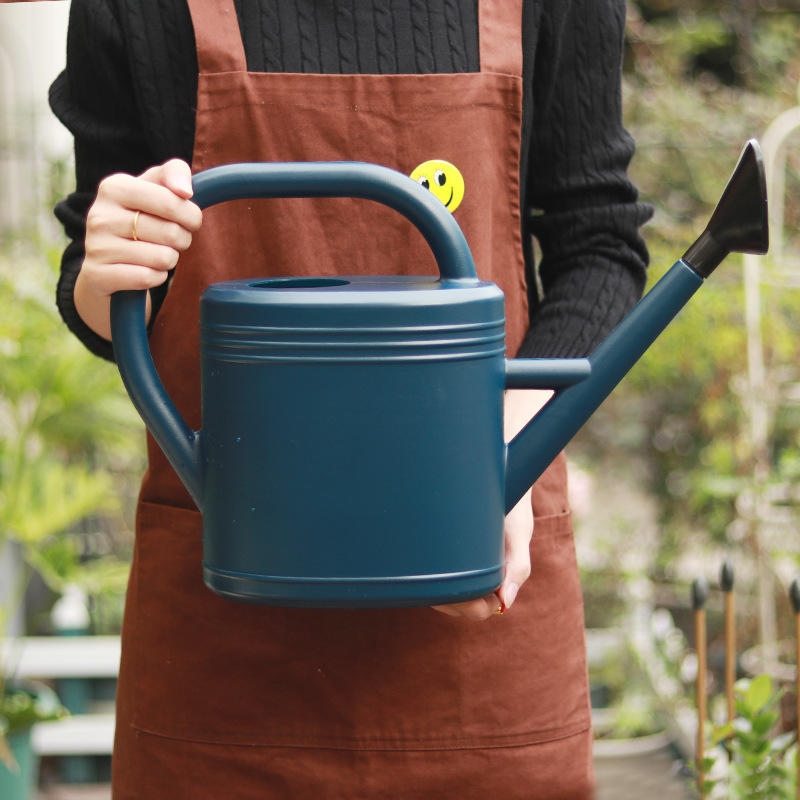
781	268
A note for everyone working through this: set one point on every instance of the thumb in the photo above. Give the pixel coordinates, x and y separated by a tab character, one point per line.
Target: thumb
518	530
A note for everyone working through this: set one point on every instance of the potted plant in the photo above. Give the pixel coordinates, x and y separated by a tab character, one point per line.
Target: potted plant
760	762
21	707
627	714
633	726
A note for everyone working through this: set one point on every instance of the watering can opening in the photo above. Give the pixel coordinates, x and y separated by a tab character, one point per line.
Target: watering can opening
299	283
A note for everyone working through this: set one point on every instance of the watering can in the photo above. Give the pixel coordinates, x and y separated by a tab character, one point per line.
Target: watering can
351	452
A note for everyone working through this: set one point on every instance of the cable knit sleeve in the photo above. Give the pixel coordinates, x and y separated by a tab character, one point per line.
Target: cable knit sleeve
94	99
99	99
581	206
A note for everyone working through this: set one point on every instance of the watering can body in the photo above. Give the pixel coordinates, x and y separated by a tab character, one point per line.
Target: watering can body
351	452
350	439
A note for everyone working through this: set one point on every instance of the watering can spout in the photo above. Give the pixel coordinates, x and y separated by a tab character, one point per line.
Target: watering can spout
739	224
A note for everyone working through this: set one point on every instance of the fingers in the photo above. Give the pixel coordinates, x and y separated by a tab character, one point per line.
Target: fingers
110	227
148	193
478	610
518	531
520	407
157	230
137	228
113	261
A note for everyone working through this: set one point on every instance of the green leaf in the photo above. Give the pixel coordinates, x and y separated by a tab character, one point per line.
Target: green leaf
764	723
721	733
708	787
708	763
758	693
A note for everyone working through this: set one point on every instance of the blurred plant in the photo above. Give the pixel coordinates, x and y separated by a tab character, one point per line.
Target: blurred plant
22	706
762	764
670	664
676	427
66	443
622	677
741	44
635	714
66	434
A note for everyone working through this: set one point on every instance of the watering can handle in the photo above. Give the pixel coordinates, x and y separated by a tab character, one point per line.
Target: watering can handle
345	179
274	180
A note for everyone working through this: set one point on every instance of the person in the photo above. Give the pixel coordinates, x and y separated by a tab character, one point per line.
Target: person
218	699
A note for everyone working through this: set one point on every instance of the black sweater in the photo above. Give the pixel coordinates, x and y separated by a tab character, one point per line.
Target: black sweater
129	90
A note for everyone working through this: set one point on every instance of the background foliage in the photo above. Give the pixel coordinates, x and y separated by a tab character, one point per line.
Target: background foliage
68	440
700	79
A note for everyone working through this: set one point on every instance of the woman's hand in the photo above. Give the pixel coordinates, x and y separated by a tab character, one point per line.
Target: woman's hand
520	407
135	231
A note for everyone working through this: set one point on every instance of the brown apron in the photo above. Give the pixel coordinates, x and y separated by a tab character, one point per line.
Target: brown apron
223	700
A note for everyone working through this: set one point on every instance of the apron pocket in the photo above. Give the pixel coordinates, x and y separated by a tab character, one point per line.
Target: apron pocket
203	668
525	672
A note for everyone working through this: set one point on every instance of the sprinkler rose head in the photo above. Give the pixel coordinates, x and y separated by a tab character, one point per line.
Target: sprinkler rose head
740	223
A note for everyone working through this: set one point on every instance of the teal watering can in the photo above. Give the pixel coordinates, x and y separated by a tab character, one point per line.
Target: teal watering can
351	452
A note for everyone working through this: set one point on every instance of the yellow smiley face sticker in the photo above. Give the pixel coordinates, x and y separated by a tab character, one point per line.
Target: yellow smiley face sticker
443	180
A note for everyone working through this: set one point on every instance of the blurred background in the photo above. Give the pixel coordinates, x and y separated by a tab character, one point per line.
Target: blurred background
693	460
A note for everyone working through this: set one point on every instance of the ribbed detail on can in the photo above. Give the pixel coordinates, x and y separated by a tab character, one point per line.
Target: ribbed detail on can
369	344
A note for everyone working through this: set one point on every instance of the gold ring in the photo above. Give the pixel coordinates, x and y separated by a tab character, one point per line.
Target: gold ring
135	222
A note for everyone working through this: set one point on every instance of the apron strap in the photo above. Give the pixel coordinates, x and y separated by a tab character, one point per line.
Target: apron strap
501	36
220	48
218	38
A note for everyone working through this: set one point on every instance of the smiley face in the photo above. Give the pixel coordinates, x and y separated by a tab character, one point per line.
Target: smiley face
443	180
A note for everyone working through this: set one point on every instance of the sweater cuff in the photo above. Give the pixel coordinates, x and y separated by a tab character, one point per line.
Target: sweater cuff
581	311
65	299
